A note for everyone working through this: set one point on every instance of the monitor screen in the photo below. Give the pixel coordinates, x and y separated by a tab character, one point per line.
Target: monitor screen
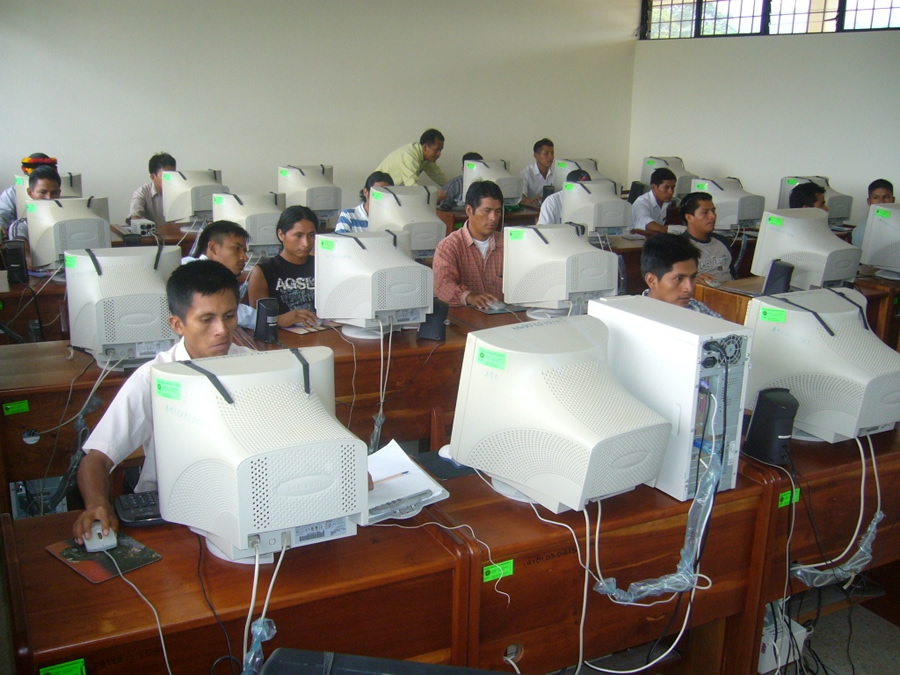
817	345
881	240
496	170
230	467
596	204
683	177
409	209
311	186
187	194
258	214
803	238
118	310
735	207
555	267
364	279
56	225
539	410
839	204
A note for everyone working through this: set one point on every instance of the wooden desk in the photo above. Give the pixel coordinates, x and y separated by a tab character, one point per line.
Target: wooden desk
45	300
527	215
386	592
466	319
888	312
642	533
169	234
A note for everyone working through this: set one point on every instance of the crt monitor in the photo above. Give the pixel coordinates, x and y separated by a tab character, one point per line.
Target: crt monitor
118	310
839	205
364	279
311	186
258	214
540	411
555	267
818	346
735	207
231	467
409	209
562	167
69	187
187	194
683	177
55	225
596	204
881	240
497	170
802	238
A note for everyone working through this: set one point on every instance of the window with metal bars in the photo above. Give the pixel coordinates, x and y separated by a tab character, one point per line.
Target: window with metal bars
666	19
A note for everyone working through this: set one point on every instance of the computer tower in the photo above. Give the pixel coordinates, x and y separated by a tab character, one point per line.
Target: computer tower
691	369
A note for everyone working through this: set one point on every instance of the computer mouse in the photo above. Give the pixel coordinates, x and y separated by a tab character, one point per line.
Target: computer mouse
99	542
497	305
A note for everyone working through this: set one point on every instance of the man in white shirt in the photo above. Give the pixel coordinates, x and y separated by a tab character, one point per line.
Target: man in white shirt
649	210
539	173
203	299
147	200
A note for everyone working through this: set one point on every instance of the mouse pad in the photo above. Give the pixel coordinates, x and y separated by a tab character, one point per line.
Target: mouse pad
97	567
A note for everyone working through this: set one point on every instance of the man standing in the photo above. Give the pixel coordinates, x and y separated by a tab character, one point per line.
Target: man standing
649	210
147	201
716	263
406	163
539	173
468	264
669	268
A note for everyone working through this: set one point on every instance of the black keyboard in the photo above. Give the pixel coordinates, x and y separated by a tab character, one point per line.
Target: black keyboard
139	509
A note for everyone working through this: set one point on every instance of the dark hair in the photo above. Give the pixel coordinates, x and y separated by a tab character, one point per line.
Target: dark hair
430	137
805	195
577	175
541	143
482	189
880	183
691	202
218	231
293	215
375	177
471	157
662	251
43	173
161	160
206	277
660	175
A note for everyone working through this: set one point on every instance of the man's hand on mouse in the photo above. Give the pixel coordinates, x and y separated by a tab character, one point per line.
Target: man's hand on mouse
302	317
480	300
104	512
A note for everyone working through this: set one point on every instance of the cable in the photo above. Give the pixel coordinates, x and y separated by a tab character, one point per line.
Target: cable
352	376
252	599
212	609
162	640
284	545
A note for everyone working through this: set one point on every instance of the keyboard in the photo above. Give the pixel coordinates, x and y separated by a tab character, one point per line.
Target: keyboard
139	509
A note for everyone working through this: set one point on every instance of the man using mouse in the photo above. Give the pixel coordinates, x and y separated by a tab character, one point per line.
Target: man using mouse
468	264
203	299
669	268
716	263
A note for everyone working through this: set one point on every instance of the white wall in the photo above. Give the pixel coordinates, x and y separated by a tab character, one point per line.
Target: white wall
761	108
246	86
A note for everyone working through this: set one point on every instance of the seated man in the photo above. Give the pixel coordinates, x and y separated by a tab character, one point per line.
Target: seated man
551	208
669	268
468	264
43	183
8	208
881	191
649	210
452	190
407	162
147	200
716	263
807	196
203	299
539	173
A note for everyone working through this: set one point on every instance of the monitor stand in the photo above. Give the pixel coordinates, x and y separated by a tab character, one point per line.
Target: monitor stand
357	333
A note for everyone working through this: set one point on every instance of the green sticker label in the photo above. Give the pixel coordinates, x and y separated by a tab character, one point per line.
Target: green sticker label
376	194
773	315
15	407
326	244
560	165
788	497
883	213
218	199
470	165
283	172
168	389
776	221
30	208
20	180
71	261
792	181
702	186
651	162
491	359
516	235
493	572
167	176
68	668
569	186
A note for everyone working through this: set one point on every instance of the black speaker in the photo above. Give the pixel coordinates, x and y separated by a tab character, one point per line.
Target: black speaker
769	436
132	240
16	267
778	280
435	325
266	320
